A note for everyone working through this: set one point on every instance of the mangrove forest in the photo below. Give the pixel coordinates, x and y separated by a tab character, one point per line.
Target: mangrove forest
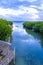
34	26
5	29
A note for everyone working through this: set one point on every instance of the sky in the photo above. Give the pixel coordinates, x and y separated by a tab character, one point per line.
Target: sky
21	10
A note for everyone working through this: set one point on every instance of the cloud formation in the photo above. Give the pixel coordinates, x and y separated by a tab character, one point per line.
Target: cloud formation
28	0
21	9
19	12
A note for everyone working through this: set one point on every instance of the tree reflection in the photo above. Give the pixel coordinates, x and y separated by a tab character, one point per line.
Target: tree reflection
36	35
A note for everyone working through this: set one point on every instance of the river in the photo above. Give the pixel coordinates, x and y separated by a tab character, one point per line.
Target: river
29	46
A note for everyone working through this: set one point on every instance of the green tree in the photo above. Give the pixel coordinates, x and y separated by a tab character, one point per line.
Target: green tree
5	29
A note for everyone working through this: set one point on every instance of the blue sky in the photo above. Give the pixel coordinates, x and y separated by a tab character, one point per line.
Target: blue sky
21	10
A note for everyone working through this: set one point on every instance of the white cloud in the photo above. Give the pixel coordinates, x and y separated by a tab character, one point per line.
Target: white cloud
38	7
9	11
33	6
41	7
30	12
28	0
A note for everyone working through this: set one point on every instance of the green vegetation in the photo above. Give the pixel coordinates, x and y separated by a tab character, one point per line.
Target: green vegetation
5	29
34	26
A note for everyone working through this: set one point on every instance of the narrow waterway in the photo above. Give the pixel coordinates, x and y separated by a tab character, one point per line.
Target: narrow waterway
29	49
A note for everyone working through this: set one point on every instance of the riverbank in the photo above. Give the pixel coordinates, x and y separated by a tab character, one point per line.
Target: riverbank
6	55
34	26
5	29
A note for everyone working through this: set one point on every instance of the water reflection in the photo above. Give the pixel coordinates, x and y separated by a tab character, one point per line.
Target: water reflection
28	48
36	35
19	28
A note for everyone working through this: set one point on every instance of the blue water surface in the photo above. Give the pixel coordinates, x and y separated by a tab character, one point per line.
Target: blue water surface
29	47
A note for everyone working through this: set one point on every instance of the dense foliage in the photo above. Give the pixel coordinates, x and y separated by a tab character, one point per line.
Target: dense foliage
5	29
34	26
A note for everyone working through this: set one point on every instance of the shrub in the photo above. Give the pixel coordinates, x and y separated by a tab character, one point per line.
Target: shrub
5	29
35	26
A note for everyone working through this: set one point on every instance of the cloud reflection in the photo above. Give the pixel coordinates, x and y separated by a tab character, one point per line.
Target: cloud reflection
31	40
20	30
28	38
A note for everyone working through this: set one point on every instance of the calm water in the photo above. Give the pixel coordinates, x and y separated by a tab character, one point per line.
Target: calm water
29	46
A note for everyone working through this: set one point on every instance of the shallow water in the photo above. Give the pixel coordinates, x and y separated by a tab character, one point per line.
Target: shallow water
29	49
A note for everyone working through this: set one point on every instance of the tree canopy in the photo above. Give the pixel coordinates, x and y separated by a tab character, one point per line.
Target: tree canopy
5	29
35	26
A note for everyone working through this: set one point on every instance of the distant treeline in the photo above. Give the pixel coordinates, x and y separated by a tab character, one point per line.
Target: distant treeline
34	26
5	29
